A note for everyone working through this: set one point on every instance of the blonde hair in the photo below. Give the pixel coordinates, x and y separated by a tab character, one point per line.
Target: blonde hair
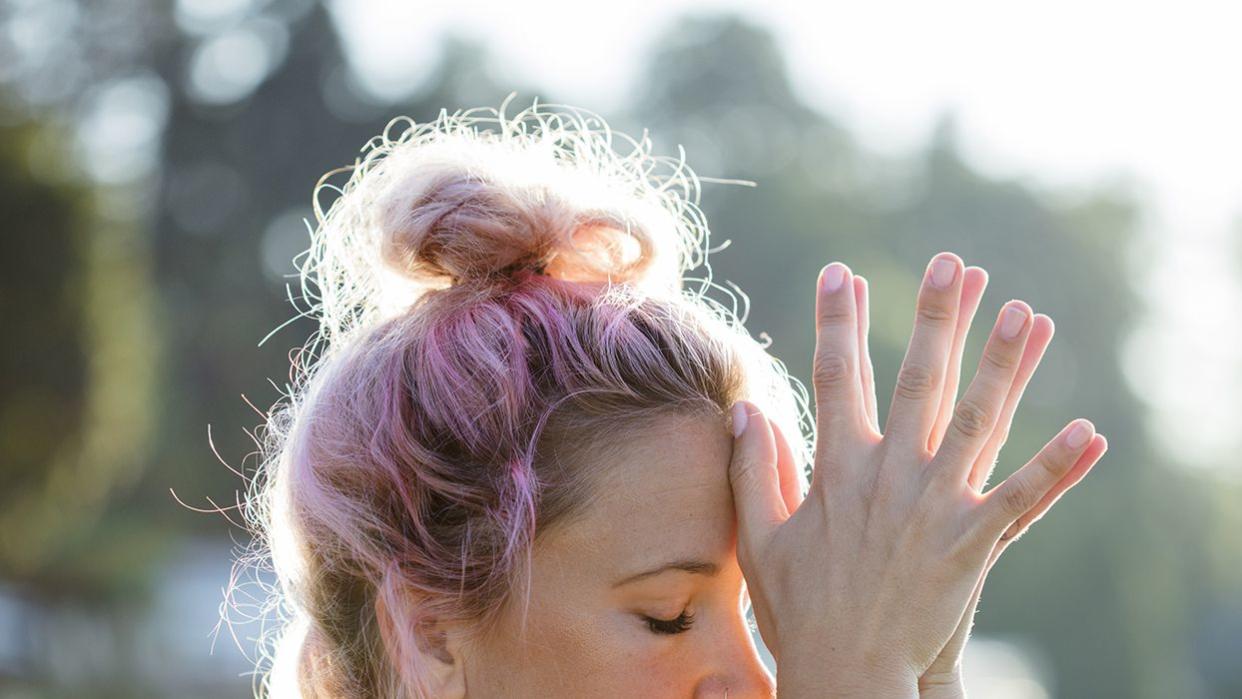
497	308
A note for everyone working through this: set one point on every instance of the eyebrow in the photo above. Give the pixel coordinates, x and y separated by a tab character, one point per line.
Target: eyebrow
689	565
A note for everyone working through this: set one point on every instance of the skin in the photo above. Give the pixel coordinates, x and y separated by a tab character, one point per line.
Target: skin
903	507
690	490
943	678
667	499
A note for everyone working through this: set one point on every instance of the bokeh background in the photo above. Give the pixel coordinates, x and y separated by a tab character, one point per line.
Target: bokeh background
156	167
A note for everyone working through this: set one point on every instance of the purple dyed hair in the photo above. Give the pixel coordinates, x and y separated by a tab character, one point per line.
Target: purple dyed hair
497	309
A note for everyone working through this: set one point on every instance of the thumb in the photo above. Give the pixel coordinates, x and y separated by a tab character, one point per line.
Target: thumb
753	476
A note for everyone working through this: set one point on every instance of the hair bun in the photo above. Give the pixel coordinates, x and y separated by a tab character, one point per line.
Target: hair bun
465	210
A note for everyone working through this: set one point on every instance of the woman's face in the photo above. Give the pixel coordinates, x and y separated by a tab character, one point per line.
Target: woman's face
643	596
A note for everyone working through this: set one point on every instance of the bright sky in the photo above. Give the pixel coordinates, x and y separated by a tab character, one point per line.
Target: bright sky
1062	92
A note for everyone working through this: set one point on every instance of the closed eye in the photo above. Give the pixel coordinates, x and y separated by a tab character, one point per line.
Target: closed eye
670	626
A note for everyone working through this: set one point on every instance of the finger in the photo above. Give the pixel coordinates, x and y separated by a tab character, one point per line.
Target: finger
1094	451
753	476
974	281
1024	489
977	412
865	367
793	480
1089	458
916	396
834	374
1042	330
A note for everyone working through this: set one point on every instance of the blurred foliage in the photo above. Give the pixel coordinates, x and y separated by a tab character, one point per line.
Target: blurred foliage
133	327
76	362
45	357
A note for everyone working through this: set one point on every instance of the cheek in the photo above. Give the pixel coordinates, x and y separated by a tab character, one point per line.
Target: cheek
602	654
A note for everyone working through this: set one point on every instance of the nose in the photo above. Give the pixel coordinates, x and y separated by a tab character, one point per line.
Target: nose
737	670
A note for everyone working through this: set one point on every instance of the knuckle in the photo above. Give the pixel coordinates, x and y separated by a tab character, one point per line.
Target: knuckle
835	314
831	370
915	381
934	314
747	473
1053	465
1016	498
971	419
741	476
1000	358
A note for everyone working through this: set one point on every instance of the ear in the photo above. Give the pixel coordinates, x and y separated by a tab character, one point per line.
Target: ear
437	647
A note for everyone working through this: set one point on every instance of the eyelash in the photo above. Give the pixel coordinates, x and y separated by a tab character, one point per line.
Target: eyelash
670	626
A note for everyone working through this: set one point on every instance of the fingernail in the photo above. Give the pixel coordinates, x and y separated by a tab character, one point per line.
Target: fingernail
943	271
1079	434
834	274
739	418
1012	322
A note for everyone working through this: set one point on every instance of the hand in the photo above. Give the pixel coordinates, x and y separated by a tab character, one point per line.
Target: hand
891	543
945	671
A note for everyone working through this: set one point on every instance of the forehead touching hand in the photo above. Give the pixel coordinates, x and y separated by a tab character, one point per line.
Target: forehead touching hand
640	595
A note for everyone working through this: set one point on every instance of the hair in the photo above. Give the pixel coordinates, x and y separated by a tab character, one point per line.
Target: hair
497	309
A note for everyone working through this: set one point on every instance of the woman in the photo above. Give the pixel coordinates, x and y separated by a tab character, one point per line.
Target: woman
526	463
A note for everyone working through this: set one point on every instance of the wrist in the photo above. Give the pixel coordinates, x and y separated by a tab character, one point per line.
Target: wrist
817	679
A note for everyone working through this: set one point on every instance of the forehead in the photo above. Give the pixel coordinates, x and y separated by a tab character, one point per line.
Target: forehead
664	492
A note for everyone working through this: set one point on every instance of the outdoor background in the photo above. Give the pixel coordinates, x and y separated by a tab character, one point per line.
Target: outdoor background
157	161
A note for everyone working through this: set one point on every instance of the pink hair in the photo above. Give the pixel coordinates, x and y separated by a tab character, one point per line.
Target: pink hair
497	310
